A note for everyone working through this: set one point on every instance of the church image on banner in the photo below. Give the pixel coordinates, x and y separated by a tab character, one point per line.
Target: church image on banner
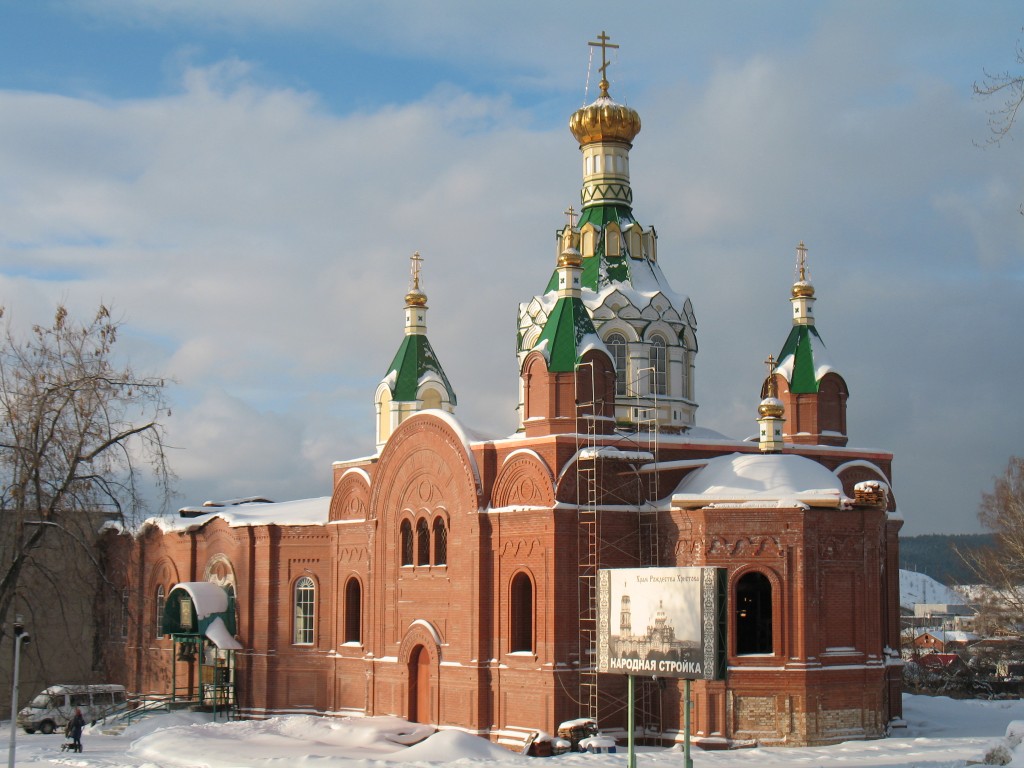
452	579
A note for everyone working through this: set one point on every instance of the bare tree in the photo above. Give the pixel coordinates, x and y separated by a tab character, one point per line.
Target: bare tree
80	441
1001	567
1008	86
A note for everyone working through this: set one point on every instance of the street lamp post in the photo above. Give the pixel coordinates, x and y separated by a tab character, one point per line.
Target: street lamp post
20	636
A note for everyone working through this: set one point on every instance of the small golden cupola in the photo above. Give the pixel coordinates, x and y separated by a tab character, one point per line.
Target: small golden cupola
770	413
803	292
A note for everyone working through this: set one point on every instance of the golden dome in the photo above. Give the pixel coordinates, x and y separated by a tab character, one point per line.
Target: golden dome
771	407
415	298
570	257
803	289
604	120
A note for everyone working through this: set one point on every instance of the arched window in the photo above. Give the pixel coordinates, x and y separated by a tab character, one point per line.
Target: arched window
753	614
161	600
305	602
521	618
616	344
406	542
353	611
659	364
440	541
422	542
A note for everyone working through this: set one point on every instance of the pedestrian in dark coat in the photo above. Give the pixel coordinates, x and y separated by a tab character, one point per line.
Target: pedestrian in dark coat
75	727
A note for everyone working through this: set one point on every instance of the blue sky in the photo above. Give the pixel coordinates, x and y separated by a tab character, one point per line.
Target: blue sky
245	181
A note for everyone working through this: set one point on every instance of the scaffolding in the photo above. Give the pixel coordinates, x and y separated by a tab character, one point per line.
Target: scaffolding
640	438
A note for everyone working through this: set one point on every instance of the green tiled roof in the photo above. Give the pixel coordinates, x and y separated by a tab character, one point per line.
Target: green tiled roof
800	346
415	358
568	324
599	270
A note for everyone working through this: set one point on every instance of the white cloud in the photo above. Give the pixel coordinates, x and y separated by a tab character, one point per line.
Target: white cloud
257	240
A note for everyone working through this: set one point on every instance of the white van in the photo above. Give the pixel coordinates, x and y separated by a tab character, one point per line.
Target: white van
55	706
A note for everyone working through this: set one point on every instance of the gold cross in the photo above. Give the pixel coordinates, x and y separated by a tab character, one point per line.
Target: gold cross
571	213
801	260
772	389
605	45
770	362
416	261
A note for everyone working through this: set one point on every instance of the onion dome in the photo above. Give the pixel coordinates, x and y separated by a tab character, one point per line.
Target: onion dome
771	406
604	120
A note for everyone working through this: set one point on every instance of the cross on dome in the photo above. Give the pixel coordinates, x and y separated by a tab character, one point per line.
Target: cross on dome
415	263
604	45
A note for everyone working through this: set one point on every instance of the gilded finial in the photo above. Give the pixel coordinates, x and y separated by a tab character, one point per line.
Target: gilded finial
415	296
802	287
773	389
604	45
570	255
604	120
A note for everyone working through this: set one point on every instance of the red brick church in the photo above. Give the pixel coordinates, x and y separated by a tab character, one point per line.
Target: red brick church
451	578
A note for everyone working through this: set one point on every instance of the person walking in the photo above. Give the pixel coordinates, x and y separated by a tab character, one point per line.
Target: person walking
75	726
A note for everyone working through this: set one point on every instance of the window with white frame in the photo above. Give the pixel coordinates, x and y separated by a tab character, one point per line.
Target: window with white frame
305	602
616	344
161	600
659	366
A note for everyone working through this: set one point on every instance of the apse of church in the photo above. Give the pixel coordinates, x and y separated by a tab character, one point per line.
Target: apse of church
450	578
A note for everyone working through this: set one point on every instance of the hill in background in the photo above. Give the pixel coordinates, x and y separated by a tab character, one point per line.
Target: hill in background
937	555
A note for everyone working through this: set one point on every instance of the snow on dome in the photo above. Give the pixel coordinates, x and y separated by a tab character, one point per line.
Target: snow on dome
741	478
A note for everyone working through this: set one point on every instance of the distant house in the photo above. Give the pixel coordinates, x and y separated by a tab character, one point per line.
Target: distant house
943	640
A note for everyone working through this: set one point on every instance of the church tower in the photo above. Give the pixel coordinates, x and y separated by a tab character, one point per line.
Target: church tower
415	381
648	329
568	374
810	388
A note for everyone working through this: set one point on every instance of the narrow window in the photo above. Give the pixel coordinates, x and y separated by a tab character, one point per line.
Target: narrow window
613	243
616	344
659	364
353	611
124	613
305	600
753	614
406	543
160	602
422	542
521	623
440	541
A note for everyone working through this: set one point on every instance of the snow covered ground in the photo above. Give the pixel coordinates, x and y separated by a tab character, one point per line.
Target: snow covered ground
940	733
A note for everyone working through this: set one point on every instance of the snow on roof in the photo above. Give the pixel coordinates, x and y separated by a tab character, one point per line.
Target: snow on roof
783	478
218	633
610	452
919	588
207	598
298	512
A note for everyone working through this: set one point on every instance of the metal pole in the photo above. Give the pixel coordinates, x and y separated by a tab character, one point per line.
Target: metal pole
687	760
630	721
20	635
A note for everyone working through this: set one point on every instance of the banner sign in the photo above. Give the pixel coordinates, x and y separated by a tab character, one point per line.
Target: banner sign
663	622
